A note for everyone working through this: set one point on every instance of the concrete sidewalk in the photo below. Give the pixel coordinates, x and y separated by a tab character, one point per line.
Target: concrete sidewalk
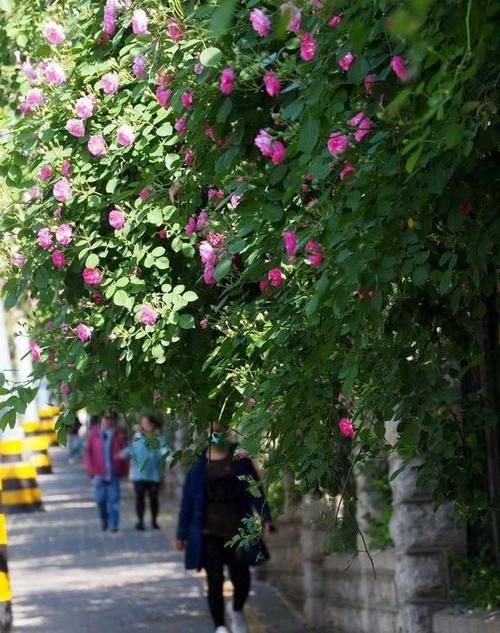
69	577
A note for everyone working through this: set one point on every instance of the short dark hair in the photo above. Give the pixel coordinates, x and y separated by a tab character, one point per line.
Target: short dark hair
155	420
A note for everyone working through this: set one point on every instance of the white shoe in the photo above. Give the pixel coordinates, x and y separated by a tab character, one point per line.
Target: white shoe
221	629
238	622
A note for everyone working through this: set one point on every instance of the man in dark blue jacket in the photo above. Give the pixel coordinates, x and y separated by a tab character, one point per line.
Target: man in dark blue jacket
216	497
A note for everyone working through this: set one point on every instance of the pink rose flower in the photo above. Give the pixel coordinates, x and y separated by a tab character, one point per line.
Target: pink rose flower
204	324
187	99
62	190
207	254
83	332
44	238
261	24
347	169
295	16
65	168
240	453
25	197
163	96
58	259
45	172
92	276
35	350
208	275
29	72
198	68
275	277
34	97
363	123
64	389
174	29
190	227
139	22
202	220
264	142
346	427
251	402
116	219
308	46
346	61
337	143
54	73
156	396
144	194
334	20
125	135
53	33
368	82
188	156
398	66
226	81
314	253
36	192
110	82
109	18
139	66
76	127
147	316
96	145
180	124
278	152
64	234
84	107
112	338
18	259
290	242
96	297
272	84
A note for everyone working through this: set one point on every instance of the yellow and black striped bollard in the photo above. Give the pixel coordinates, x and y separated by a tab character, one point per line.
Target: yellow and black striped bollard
20	490
5	592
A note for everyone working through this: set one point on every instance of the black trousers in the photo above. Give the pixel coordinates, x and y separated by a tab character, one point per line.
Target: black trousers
152	489
215	556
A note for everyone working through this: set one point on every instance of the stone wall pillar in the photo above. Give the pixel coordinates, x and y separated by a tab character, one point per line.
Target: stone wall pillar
370	502
313	553
421	537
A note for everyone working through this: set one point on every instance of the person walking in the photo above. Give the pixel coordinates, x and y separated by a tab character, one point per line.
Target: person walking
147	452
105	465
74	442
216	497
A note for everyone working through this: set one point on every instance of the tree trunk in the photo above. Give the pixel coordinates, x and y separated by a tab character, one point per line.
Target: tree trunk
490	385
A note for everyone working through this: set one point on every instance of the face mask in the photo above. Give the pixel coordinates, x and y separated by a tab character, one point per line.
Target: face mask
216	438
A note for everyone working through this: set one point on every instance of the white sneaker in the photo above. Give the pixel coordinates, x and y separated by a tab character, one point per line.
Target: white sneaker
238	622
221	629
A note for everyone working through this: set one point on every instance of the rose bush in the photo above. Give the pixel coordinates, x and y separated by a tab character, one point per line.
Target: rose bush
300	196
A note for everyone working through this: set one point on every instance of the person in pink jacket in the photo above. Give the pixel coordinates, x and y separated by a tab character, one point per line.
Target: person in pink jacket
104	463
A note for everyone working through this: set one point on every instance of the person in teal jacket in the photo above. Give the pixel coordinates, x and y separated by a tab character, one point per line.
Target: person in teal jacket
147	452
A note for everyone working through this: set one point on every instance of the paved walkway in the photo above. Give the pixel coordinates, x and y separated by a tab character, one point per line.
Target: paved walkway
69	577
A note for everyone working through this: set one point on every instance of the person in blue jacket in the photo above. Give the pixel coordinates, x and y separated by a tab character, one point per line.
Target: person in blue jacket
215	499
147	453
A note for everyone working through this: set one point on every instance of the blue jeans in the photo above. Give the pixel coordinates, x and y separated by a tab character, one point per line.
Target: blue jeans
107	496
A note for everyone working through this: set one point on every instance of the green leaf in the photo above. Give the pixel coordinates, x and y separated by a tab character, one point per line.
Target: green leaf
272	212
210	57
446	280
358	70
222	268
162	263
111	185
412	160
190	296
165	130
186	321
420	276
120	298
309	135
222	18
171	159
155	216
92	261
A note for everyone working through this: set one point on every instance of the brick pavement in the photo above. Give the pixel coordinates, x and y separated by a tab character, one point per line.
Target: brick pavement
69	577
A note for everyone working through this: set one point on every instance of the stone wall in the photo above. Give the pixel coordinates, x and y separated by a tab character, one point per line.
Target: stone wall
335	592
